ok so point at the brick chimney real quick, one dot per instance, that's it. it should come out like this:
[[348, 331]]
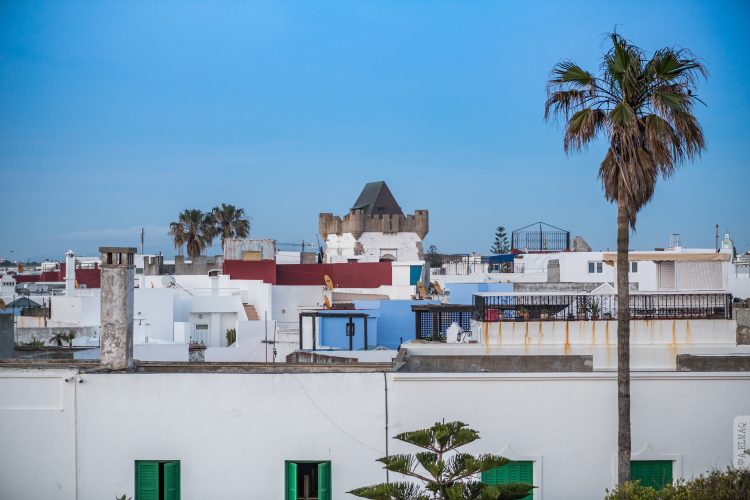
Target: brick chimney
[[118, 273]]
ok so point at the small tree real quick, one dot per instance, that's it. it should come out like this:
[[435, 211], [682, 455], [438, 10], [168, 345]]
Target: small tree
[[433, 256], [231, 336], [58, 339], [500, 245], [446, 473]]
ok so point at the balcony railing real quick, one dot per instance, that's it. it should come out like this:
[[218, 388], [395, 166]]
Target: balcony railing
[[582, 307]]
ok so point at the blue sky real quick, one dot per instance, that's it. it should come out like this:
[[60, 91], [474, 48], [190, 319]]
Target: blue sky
[[118, 115]]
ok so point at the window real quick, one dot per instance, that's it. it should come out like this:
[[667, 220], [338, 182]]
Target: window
[[595, 268], [514, 472], [654, 473], [308, 480], [666, 275], [157, 480], [633, 267]]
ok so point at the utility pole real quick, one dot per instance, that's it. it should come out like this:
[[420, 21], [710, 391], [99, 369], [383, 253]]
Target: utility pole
[[143, 234]]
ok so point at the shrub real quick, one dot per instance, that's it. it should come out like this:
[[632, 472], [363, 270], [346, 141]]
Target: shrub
[[729, 484], [633, 490], [231, 336]]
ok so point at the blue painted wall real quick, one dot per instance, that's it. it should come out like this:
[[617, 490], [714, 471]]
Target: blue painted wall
[[396, 320], [391, 322], [332, 332]]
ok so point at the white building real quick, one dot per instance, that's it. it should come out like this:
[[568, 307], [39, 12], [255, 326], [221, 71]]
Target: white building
[[375, 229]]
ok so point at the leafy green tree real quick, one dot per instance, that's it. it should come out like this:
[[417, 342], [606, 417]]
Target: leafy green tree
[[445, 473], [644, 109], [195, 230], [500, 245], [230, 222]]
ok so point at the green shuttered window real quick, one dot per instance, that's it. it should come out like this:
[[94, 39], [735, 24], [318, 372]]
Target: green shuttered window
[[146, 480], [514, 472], [315, 475], [157, 480], [654, 473]]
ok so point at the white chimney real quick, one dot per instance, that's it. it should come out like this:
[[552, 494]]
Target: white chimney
[[70, 273]]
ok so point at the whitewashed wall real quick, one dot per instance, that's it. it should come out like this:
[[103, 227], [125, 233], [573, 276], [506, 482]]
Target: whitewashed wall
[[233, 432], [83, 309], [156, 306], [403, 246], [288, 301]]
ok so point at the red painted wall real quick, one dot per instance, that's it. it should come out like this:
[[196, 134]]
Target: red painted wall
[[251, 270], [349, 275], [90, 278], [364, 275]]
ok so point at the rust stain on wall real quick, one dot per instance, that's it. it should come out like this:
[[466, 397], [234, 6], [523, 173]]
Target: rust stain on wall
[[539, 340], [593, 332], [606, 333]]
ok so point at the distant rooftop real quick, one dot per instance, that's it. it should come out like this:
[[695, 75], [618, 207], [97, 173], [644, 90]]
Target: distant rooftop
[[376, 199]]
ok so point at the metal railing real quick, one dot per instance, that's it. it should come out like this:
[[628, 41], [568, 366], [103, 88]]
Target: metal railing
[[540, 237], [579, 307]]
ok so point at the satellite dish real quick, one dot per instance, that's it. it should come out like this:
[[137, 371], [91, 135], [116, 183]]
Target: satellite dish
[[326, 301], [329, 282], [168, 281]]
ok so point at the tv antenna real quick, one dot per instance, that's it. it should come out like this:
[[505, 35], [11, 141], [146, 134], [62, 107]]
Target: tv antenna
[[169, 281]]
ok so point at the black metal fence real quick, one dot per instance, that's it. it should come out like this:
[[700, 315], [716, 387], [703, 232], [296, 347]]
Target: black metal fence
[[540, 241], [520, 307]]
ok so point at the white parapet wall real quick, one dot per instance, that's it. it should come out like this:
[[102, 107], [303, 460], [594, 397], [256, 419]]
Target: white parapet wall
[[655, 344], [233, 432]]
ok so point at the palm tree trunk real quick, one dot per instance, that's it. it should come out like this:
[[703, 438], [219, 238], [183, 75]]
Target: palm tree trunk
[[623, 345]]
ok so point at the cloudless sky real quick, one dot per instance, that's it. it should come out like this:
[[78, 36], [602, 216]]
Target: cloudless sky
[[118, 115]]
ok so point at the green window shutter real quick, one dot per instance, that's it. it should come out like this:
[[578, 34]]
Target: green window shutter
[[513, 472], [489, 476], [172, 481], [324, 481], [146, 480], [654, 473], [291, 481]]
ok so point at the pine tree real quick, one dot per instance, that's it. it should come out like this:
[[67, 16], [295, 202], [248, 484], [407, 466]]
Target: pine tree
[[500, 245], [433, 256], [446, 473]]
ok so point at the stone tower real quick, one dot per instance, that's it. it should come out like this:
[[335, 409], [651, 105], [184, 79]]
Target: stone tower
[[374, 229], [118, 273]]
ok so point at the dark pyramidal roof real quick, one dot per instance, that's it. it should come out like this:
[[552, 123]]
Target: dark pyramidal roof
[[376, 199]]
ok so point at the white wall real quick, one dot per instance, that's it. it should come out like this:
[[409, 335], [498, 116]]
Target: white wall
[[654, 343], [288, 301], [160, 352], [156, 308], [340, 248], [233, 432], [37, 435], [83, 309], [249, 346]]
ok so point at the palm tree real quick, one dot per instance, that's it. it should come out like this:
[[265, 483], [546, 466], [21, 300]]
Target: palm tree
[[644, 108], [195, 230], [230, 222]]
